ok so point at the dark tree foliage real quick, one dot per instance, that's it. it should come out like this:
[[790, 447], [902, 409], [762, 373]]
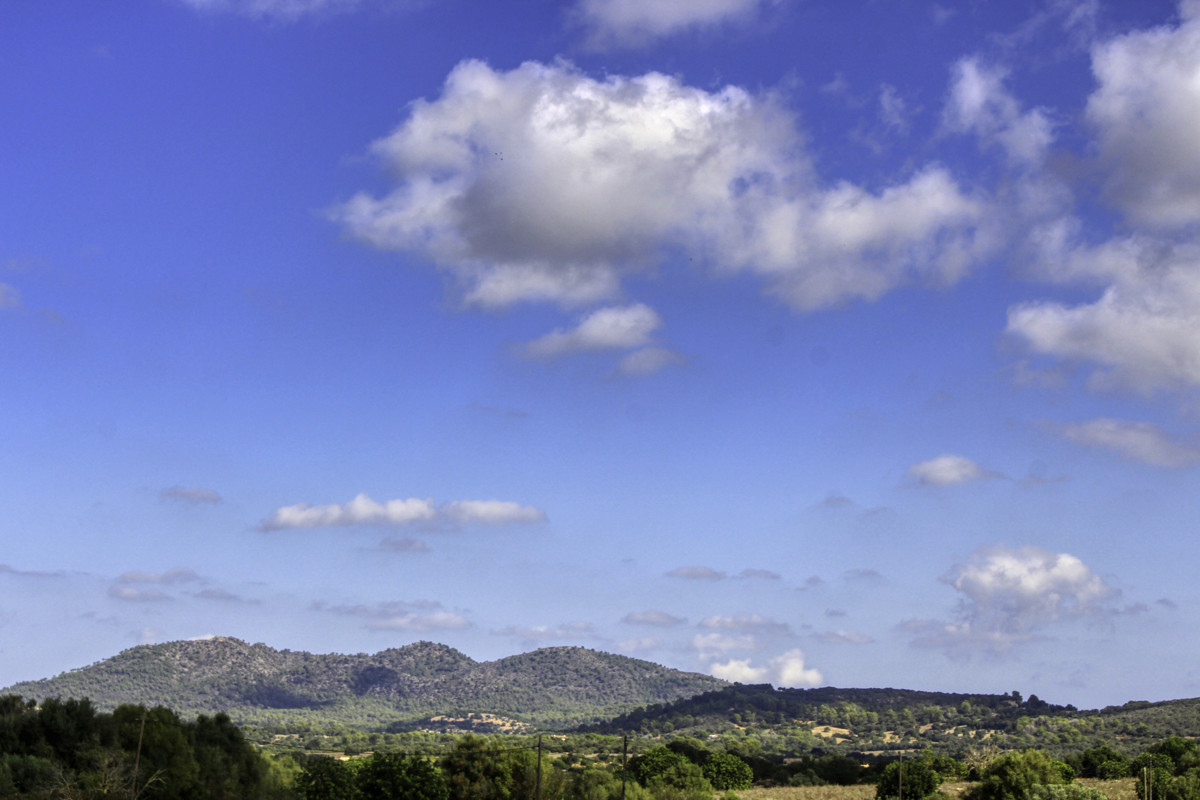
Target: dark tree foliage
[[653, 763], [391, 776], [148, 752], [726, 771], [326, 778], [913, 779]]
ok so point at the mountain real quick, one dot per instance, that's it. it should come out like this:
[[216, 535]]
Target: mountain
[[254, 683]]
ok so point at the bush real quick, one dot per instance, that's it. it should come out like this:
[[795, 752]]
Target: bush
[[911, 779], [1013, 776], [727, 771]]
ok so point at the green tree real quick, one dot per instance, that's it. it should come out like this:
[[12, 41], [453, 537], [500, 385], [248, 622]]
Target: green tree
[[913, 779], [1012, 776], [682, 780], [726, 771], [391, 776], [654, 762], [325, 778]]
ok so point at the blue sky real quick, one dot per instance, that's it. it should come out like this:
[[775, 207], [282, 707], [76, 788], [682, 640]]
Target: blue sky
[[852, 344]]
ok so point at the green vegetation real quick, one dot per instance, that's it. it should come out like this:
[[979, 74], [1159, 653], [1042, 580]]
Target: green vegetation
[[404, 688], [66, 749]]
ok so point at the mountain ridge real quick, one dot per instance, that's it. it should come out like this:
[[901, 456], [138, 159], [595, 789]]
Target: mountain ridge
[[256, 683]]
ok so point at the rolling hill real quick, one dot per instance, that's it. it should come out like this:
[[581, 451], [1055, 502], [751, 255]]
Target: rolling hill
[[254, 683]]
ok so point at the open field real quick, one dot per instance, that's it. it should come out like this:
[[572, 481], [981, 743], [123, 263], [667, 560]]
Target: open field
[[1113, 790]]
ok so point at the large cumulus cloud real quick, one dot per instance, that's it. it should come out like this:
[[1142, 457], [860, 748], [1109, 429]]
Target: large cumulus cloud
[[544, 184]]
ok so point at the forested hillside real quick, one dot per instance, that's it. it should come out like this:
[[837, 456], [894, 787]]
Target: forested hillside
[[875, 720], [254, 683]]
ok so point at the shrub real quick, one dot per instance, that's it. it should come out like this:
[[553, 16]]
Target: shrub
[[1013, 776]]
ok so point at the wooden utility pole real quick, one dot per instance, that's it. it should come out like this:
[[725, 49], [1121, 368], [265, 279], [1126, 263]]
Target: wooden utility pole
[[538, 790], [624, 753], [137, 758]]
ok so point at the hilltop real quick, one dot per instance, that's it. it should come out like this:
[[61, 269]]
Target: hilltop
[[257, 684]]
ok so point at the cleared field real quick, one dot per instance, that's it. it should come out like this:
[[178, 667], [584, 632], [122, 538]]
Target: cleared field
[[1113, 790]]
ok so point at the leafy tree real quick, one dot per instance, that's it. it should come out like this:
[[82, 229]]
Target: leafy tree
[[654, 762], [726, 771], [913, 779], [681, 780], [325, 778], [1012, 776], [390, 776]]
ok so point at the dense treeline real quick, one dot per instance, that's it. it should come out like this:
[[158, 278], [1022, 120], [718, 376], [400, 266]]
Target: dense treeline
[[67, 749], [896, 720]]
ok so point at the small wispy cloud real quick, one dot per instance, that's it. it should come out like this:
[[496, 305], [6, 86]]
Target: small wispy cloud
[[751, 573], [192, 495], [418, 616], [7, 569], [534, 634], [745, 622], [654, 617], [697, 573], [362, 510], [948, 470], [173, 575], [9, 296], [634, 24], [288, 10], [844, 637], [403, 545], [132, 594], [1136, 441]]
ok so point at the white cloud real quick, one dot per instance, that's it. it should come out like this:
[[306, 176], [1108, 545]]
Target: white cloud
[[421, 616], [570, 631], [893, 110], [615, 328], [844, 637], [738, 670], [1146, 111], [286, 10], [660, 619], [697, 573], [639, 645], [134, 595], [637, 22], [946, 470], [491, 512], [980, 104], [1140, 441], [190, 495], [416, 621], [543, 184], [790, 670], [787, 670], [362, 510], [1010, 595], [750, 622], [713, 645], [1144, 330]]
